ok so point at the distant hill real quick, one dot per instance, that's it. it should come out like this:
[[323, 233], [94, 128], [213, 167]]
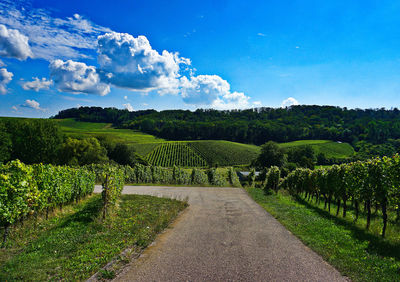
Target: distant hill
[[198, 153], [76, 129], [337, 150], [254, 126], [166, 153], [192, 153]]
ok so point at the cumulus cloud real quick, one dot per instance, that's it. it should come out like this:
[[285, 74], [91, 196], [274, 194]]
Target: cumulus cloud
[[257, 103], [128, 106], [14, 108], [13, 44], [76, 77], [51, 37], [5, 78], [130, 62], [32, 104], [125, 97], [211, 91], [37, 84], [289, 102]]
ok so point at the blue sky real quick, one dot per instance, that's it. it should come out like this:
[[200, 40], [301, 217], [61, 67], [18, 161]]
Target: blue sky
[[220, 54]]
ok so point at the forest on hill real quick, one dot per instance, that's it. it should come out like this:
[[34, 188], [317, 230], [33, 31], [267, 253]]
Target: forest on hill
[[370, 131]]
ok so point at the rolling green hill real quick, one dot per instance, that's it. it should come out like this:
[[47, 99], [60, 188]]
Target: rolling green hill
[[211, 152], [225, 153], [168, 154], [191, 153], [331, 149], [157, 150], [76, 129]]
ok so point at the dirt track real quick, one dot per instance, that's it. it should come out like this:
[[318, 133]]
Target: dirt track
[[224, 235]]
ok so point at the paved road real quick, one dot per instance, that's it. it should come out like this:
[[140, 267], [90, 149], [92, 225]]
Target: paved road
[[224, 236]]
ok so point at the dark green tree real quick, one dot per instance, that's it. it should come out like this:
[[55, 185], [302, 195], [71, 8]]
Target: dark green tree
[[82, 152], [271, 155], [5, 144], [34, 140], [126, 155]]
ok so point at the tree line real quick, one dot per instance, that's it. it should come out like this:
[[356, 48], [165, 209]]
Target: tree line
[[365, 129], [41, 141]]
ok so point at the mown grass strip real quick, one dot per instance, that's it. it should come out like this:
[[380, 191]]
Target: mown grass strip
[[356, 253], [74, 244]]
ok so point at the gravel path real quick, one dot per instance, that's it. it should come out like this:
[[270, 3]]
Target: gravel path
[[224, 235]]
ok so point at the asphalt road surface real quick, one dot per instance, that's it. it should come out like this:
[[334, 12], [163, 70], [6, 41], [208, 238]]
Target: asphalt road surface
[[224, 236]]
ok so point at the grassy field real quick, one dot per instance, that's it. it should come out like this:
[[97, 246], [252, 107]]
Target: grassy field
[[356, 253], [331, 149], [74, 244], [75, 128]]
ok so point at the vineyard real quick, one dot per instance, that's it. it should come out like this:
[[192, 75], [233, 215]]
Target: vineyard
[[175, 154], [225, 153], [373, 183]]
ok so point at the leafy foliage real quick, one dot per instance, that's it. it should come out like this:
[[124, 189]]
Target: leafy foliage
[[5, 144], [141, 174], [199, 177], [254, 126], [271, 155], [272, 178], [233, 178], [82, 152], [356, 253], [112, 180], [373, 181], [33, 140], [27, 190]]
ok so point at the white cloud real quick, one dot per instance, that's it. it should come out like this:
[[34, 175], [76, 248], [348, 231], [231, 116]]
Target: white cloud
[[5, 78], [257, 103], [14, 108], [13, 44], [32, 104], [2, 64], [76, 77], [289, 102], [130, 62], [212, 91], [51, 37], [235, 100], [261, 34], [126, 97], [128, 106], [37, 84]]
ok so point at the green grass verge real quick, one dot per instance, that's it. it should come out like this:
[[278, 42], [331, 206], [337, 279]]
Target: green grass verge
[[356, 253], [78, 129], [331, 149], [74, 244]]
